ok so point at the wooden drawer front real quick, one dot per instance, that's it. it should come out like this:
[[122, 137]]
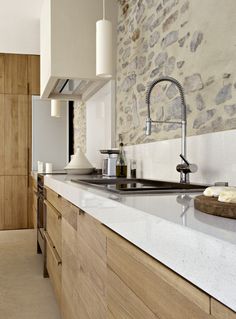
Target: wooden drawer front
[[54, 226], [122, 302], [72, 306], [69, 281], [91, 231], [219, 311], [67, 209], [54, 199], [92, 281], [69, 270], [54, 267], [165, 293]]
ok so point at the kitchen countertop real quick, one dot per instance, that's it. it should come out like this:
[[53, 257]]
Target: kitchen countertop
[[35, 174], [199, 247]]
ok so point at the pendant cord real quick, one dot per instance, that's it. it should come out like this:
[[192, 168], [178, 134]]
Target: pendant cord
[[104, 10]]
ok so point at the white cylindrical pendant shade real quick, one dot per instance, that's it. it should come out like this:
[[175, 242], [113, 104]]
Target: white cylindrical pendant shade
[[104, 59], [55, 108]]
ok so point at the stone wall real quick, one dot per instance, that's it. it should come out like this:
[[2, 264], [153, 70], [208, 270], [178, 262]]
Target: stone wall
[[80, 126], [192, 41]]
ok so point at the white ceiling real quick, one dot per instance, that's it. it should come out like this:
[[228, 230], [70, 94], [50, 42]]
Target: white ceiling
[[19, 26]]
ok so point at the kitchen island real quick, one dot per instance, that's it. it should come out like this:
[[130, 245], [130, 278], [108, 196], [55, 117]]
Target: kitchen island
[[198, 247]]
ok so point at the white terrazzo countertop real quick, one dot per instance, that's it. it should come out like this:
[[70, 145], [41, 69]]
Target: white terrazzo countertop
[[199, 247]]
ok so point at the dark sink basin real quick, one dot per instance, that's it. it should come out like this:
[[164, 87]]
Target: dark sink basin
[[138, 185]]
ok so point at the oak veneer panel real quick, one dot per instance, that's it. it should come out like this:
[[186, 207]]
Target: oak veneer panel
[[34, 74], [2, 134], [92, 280], [69, 282], [15, 202], [110, 315], [165, 293], [81, 309], [53, 263], [2, 207], [16, 135], [67, 209], [220, 311], [31, 217], [123, 303], [69, 270], [54, 226], [91, 231], [1, 73], [15, 73]]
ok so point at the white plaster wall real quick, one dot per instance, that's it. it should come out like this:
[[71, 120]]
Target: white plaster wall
[[214, 153], [19, 26]]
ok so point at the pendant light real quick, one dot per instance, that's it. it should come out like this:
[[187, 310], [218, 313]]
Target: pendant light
[[55, 108], [104, 64]]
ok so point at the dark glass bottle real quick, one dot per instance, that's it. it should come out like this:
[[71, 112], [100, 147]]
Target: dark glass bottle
[[121, 164]]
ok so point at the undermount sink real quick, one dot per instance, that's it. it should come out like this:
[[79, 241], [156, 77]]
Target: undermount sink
[[138, 185]]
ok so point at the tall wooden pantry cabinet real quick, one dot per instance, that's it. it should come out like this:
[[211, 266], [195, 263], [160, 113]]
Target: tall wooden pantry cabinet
[[19, 80]]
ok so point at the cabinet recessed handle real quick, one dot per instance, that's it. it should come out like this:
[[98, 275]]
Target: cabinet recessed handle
[[48, 204], [81, 212], [58, 196]]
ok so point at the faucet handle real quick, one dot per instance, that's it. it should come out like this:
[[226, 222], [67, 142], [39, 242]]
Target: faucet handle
[[186, 167], [184, 159]]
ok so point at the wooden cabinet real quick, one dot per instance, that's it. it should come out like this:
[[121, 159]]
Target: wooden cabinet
[[15, 74], [19, 79], [123, 302], [165, 293], [15, 202], [2, 135], [34, 74], [54, 265], [84, 269], [70, 300], [91, 257], [53, 237], [1, 73], [54, 226], [103, 276], [219, 311], [2, 203], [16, 135]]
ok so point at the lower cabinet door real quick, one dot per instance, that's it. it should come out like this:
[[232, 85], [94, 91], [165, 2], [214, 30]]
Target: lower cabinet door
[[15, 196], [54, 267], [53, 225], [69, 300], [122, 302], [166, 294], [219, 311]]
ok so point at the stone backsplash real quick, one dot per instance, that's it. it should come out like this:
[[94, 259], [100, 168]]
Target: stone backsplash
[[191, 40]]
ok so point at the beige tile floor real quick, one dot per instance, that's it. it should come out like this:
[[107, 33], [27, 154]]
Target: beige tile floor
[[24, 293]]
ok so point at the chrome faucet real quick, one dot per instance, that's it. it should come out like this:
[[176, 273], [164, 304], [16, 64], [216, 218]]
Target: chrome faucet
[[185, 167]]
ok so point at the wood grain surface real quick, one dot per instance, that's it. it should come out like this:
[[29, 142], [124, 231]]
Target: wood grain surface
[[211, 205]]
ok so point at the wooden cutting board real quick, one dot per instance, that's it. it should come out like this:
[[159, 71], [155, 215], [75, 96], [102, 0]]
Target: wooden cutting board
[[212, 206]]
